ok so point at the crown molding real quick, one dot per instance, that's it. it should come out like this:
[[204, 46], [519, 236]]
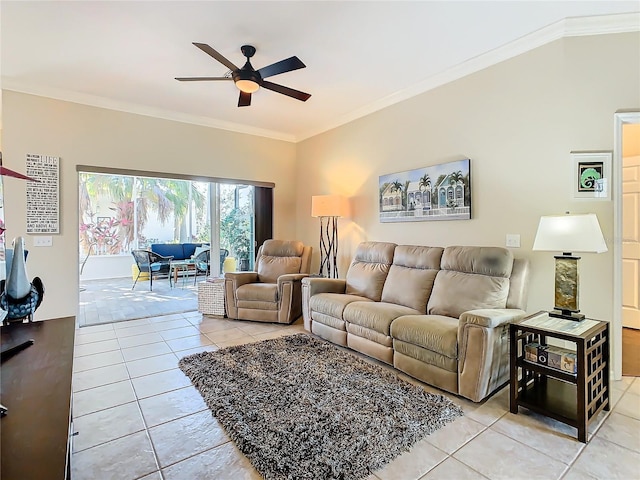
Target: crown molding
[[568, 27], [110, 104]]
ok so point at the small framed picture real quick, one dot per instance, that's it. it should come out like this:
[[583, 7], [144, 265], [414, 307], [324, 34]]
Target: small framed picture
[[591, 175]]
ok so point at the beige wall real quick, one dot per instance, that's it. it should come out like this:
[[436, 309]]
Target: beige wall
[[86, 135], [517, 121]]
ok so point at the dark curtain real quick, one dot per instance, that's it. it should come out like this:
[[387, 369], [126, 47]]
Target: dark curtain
[[263, 215]]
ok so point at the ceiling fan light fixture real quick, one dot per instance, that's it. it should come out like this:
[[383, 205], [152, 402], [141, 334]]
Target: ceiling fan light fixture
[[247, 86]]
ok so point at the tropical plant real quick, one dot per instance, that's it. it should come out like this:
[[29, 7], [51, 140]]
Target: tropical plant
[[134, 199]]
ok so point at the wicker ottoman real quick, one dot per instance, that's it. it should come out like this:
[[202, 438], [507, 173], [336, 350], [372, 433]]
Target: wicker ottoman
[[211, 297]]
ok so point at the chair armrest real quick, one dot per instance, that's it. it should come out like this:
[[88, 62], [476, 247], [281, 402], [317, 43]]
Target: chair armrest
[[157, 258], [483, 350], [291, 277], [241, 278]]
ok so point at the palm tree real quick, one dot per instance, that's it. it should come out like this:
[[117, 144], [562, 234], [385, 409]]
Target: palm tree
[[396, 186], [134, 198], [455, 177], [425, 182]]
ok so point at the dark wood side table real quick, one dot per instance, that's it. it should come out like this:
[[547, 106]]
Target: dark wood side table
[[571, 398], [36, 389]]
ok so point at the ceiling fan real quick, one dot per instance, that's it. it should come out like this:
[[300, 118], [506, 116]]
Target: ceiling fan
[[247, 79]]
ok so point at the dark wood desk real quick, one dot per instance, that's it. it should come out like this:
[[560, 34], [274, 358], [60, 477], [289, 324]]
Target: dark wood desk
[[36, 389]]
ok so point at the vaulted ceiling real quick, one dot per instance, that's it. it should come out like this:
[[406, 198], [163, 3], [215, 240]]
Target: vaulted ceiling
[[360, 56]]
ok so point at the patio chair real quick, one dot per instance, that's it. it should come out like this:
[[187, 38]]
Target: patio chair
[[202, 260], [152, 264]]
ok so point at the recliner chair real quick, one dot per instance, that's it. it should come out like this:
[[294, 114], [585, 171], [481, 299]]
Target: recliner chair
[[272, 293]]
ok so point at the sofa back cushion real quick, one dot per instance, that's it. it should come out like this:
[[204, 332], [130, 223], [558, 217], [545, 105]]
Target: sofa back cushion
[[411, 276], [278, 257], [471, 278], [369, 269]]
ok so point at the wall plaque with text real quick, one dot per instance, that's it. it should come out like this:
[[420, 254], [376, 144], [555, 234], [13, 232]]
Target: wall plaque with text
[[43, 197]]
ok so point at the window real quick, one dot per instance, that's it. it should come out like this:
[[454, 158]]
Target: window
[[119, 213]]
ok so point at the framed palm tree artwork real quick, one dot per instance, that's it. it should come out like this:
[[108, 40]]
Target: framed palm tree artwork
[[591, 175], [437, 192]]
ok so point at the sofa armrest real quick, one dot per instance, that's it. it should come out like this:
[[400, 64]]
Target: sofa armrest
[[483, 350], [312, 286], [324, 285], [492, 317]]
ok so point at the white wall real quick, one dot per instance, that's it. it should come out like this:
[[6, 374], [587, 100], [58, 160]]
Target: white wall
[[84, 135], [517, 121]]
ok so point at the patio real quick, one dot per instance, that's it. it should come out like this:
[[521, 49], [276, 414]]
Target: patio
[[112, 300]]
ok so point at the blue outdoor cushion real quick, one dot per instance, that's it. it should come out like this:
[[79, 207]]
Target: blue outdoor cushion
[[174, 250]]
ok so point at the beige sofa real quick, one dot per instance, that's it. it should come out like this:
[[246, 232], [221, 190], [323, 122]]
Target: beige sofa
[[273, 292], [440, 315]]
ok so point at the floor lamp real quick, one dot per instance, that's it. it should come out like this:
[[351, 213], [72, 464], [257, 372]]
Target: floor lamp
[[567, 234], [328, 208]]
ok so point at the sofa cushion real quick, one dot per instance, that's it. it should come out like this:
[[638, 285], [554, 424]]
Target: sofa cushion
[[492, 261], [330, 321], [471, 278], [369, 334], [259, 292], [432, 332], [376, 316], [369, 269], [279, 257], [426, 356], [411, 276], [333, 304]]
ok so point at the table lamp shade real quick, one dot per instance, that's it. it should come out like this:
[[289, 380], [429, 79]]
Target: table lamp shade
[[570, 233], [328, 206]]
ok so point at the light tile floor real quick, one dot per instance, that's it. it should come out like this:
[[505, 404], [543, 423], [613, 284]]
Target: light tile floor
[[138, 417]]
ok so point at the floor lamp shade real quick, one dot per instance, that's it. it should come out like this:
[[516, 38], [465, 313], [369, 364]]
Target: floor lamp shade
[[328, 208], [568, 234]]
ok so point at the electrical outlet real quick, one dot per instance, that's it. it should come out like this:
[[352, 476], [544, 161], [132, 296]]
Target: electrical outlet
[[513, 240], [43, 241]]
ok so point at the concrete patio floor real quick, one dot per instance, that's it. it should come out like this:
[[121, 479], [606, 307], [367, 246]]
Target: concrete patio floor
[[112, 300]]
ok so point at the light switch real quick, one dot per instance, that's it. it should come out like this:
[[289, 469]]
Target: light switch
[[513, 240], [43, 241]]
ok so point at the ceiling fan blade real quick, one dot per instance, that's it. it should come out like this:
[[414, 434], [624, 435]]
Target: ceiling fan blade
[[210, 51], [297, 94], [244, 100], [201, 79], [287, 65]]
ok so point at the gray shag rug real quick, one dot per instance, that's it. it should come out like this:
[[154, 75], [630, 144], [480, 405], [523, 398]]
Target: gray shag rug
[[302, 408]]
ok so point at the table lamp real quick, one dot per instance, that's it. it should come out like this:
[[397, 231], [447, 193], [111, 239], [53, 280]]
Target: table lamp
[[567, 234], [328, 208]]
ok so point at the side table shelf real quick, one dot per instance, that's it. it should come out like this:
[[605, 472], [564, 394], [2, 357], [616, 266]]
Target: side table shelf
[[572, 398]]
